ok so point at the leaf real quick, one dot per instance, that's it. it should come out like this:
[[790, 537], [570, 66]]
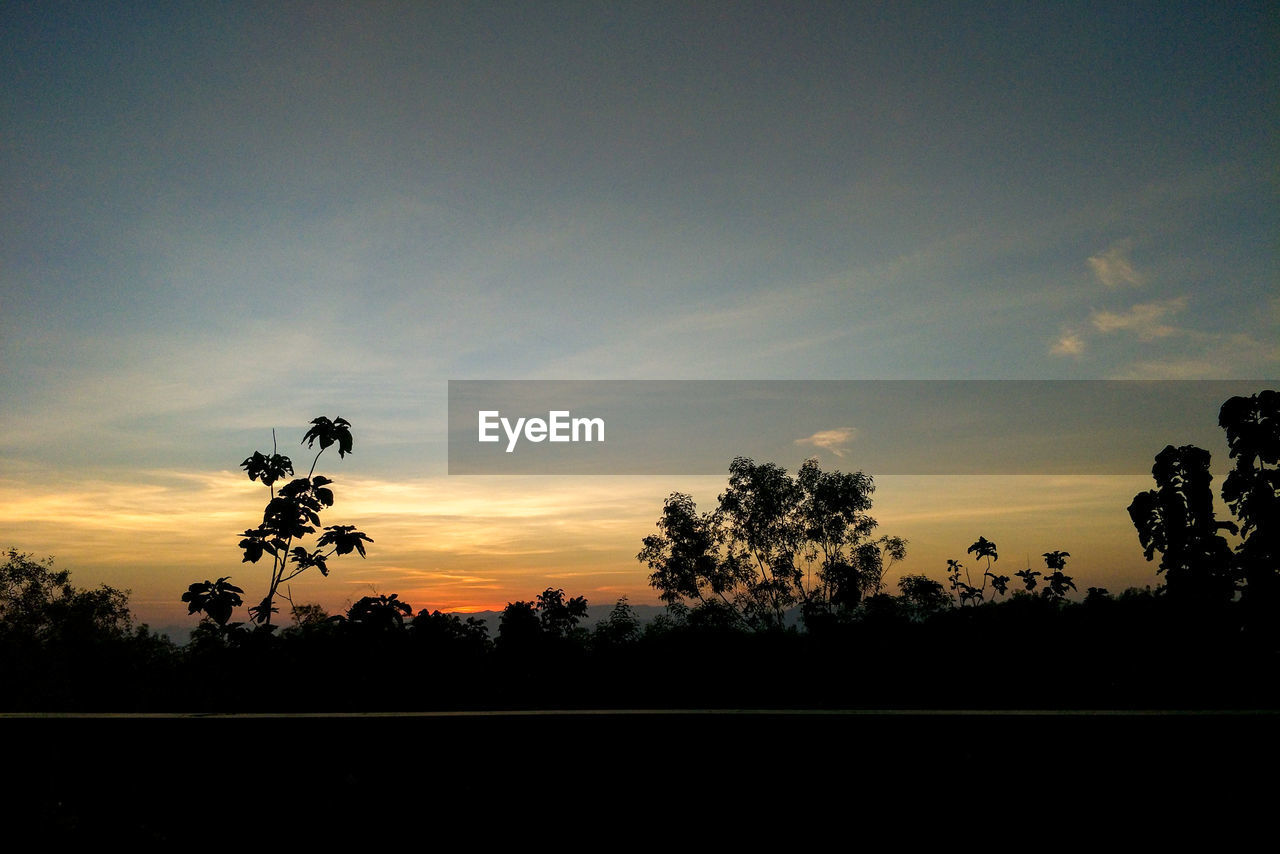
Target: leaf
[[304, 560], [215, 598], [253, 548], [262, 610], [327, 432], [323, 495], [267, 469], [294, 488], [983, 548], [344, 538]]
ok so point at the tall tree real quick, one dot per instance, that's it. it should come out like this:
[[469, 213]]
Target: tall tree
[[291, 514], [773, 543], [1252, 491], [1177, 520]]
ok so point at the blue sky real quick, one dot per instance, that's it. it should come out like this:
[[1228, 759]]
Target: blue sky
[[224, 219]]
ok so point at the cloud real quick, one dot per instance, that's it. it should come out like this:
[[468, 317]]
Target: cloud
[[1068, 344], [1192, 354], [833, 440], [1144, 319], [1113, 267], [1220, 357]]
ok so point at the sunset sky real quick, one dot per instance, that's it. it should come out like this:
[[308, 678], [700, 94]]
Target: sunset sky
[[220, 219]]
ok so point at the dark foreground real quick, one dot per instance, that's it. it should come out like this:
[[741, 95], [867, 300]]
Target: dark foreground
[[375, 780]]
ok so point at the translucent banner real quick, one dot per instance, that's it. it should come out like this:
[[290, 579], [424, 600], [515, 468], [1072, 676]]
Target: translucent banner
[[677, 427]]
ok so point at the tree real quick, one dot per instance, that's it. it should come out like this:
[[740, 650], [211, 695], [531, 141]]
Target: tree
[[548, 622], [968, 593], [1252, 492], [309, 614], [64, 648], [519, 626], [1057, 582], [39, 603], [963, 589], [1096, 596], [621, 628], [773, 543], [922, 597], [451, 631], [1177, 520], [559, 617], [379, 613], [291, 514], [684, 555]]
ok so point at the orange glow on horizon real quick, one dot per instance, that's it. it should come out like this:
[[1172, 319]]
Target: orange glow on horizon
[[465, 545]]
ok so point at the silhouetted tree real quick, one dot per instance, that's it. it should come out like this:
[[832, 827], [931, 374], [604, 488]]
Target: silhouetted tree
[[673, 618], [965, 590], [559, 617], [922, 597], [379, 613], [621, 628], [714, 617], [519, 626], [309, 614], [469, 636], [1096, 595], [1177, 520], [1252, 492], [684, 555], [64, 648], [773, 543], [39, 603], [291, 514], [1057, 582]]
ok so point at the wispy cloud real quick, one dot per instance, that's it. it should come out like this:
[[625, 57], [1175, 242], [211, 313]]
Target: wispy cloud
[[1113, 267], [1146, 320], [1070, 343], [1220, 356], [834, 440]]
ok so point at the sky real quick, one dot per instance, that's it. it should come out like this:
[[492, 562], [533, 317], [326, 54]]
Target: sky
[[221, 220]]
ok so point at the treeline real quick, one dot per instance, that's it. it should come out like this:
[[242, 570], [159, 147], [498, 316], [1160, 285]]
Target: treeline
[[777, 597], [65, 649]]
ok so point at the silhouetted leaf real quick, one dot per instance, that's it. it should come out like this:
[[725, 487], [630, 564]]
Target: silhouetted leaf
[[344, 538], [267, 469], [262, 610], [983, 548], [327, 432], [215, 598]]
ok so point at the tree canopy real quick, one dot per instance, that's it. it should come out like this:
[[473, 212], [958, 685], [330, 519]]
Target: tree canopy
[[773, 543], [1177, 520]]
